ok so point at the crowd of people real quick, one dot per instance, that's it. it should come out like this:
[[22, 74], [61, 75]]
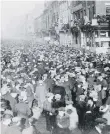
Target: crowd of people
[[70, 88]]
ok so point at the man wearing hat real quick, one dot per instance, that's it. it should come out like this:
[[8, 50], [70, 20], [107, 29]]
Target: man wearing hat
[[100, 123]]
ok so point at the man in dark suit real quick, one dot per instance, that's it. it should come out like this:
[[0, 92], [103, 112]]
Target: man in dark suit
[[100, 123]]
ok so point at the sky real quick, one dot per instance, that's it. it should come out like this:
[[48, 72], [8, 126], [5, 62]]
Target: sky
[[13, 14]]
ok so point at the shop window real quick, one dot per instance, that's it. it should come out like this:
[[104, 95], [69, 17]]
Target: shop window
[[96, 33]]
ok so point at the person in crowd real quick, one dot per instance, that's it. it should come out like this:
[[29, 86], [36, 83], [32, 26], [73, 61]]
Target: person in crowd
[[100, 123], [22, 109], [39, 77], [72, 112], [49, 112], [37, 111], [62, 125], [7, 96]]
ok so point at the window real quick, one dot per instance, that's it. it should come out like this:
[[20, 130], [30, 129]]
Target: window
[[93, 11], [78, 14], [76, 38], [84, 12], [75, 15], [89, 16], [81, 14], [97, 44]]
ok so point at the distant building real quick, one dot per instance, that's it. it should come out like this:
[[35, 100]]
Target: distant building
[[38, 26], [29, 25]]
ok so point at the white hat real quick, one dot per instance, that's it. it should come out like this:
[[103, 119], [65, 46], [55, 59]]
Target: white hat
[[61, 113], [106, 68], [21, 97], [94, 95], [57, 96], [69, 107], [16, 119], [82, 97], [104, 109], [72, 74], [13, 95], [104, 88]]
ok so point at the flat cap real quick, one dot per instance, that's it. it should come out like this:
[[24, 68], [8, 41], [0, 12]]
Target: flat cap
[[101, 120]]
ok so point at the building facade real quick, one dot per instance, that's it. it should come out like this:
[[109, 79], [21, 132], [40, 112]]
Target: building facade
[[64, 22], [76, 23], [38, 26], [86, 29]]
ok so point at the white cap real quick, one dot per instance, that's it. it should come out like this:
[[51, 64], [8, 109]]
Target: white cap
[[13, 95], [57, 96], [16, 119]]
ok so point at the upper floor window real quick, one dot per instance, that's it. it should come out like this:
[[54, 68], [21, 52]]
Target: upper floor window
[[93, 11], [89, 15], [81, 14], [84, 12], [78, 15]]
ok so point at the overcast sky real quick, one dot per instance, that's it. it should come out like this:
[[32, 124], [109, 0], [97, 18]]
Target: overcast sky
[[13, 13]]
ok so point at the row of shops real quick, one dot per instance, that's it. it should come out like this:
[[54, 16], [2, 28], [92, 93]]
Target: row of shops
[[92, 35]]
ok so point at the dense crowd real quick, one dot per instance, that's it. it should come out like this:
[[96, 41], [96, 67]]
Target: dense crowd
[[69, 87]]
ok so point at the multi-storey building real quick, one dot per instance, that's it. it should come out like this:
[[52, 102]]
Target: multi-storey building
[[85, 29], [64, 22], [38, 25], [50, 15]]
